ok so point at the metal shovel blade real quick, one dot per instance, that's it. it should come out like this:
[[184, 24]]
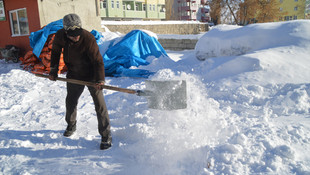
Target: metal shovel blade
[[167, 95]]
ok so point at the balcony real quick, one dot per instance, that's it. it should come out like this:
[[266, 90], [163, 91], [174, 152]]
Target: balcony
[[185, 18], [205, 19], [204, 1], [185, 8], [161, 15], [134, 14], [204, 10], [191, 1]]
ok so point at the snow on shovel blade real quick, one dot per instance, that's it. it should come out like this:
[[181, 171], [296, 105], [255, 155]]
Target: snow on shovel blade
[[166, 95]]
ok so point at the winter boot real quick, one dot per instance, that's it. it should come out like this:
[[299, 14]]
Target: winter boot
[[106, 143], [70, 130]]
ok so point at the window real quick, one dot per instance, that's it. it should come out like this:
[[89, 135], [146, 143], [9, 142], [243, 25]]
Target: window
[[139, 6], [2, 13], [19, 22], [295, 17], [295, 8], [117, 4], [103, 4], [112, 4], [154, 7], [129, 7], [144, 7], [161, 8]]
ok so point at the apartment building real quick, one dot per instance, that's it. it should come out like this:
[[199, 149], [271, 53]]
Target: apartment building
[[292, 9], [189, 10], [307, 10], [132, 9]]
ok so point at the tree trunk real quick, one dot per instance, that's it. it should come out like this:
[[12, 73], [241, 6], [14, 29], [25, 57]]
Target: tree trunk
[[236, 21]]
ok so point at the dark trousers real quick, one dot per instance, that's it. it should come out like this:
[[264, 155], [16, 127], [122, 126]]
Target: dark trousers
[[74, 92]]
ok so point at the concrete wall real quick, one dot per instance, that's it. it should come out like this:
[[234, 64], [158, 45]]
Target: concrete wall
[[162, 27], [181, 29], [52, 10], [178, 44]]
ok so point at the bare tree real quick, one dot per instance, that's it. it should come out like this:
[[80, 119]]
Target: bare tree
[[232, 5], [215, 11], [172, 10], [247, 11], [224, 11], [268, 10]]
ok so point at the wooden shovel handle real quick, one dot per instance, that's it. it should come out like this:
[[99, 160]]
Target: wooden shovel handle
[[86, 83]]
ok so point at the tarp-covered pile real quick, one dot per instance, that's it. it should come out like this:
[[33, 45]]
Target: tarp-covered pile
[[131, 50], [42, 63], [38, 60]]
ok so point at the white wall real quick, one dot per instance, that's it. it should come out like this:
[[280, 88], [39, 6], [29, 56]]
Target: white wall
[[52, 10]]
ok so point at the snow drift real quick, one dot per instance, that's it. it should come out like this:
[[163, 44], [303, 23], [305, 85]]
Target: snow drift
[[226, 40]]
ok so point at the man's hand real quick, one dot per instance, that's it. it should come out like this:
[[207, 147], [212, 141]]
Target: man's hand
[[52, 77], [99, 85]]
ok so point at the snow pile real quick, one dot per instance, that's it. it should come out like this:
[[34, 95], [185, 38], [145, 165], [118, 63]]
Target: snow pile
[[224, 40], [246, 114]]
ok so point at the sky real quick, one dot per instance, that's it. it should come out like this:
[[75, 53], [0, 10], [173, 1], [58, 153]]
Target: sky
[[248, 111]]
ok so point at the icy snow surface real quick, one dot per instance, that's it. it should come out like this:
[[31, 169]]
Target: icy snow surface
[[248, 112]]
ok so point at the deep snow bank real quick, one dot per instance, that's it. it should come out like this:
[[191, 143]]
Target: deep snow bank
[[226, 40], [259, 75]]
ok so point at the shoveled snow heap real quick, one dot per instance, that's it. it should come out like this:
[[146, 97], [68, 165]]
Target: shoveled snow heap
[[248, 112]]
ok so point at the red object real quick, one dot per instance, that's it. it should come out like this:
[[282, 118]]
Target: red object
[[21, 42]]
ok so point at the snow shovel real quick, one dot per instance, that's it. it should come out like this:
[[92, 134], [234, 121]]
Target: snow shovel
[[164, 95]]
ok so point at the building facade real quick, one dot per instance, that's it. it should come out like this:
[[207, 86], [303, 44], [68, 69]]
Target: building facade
[[19, 18], [188, 10], [307, 10], [52, 10], [132, 9], [292, 9]]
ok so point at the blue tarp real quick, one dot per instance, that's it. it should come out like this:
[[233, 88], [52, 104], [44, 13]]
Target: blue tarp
[[97, 36], [38, 38], [132, 50]]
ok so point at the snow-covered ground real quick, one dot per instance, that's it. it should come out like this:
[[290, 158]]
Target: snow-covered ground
[[248, 112]]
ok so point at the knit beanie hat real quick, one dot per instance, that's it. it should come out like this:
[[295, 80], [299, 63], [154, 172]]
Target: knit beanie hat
[[72, 24]]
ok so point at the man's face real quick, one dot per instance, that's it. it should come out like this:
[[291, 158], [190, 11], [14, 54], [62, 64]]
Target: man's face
[[74, 38]]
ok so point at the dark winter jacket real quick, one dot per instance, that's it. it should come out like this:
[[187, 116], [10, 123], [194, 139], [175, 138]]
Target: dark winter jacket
[[83, 59]]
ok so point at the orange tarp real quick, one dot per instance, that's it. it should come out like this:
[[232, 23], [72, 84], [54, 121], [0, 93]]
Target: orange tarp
[[31, 63]]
